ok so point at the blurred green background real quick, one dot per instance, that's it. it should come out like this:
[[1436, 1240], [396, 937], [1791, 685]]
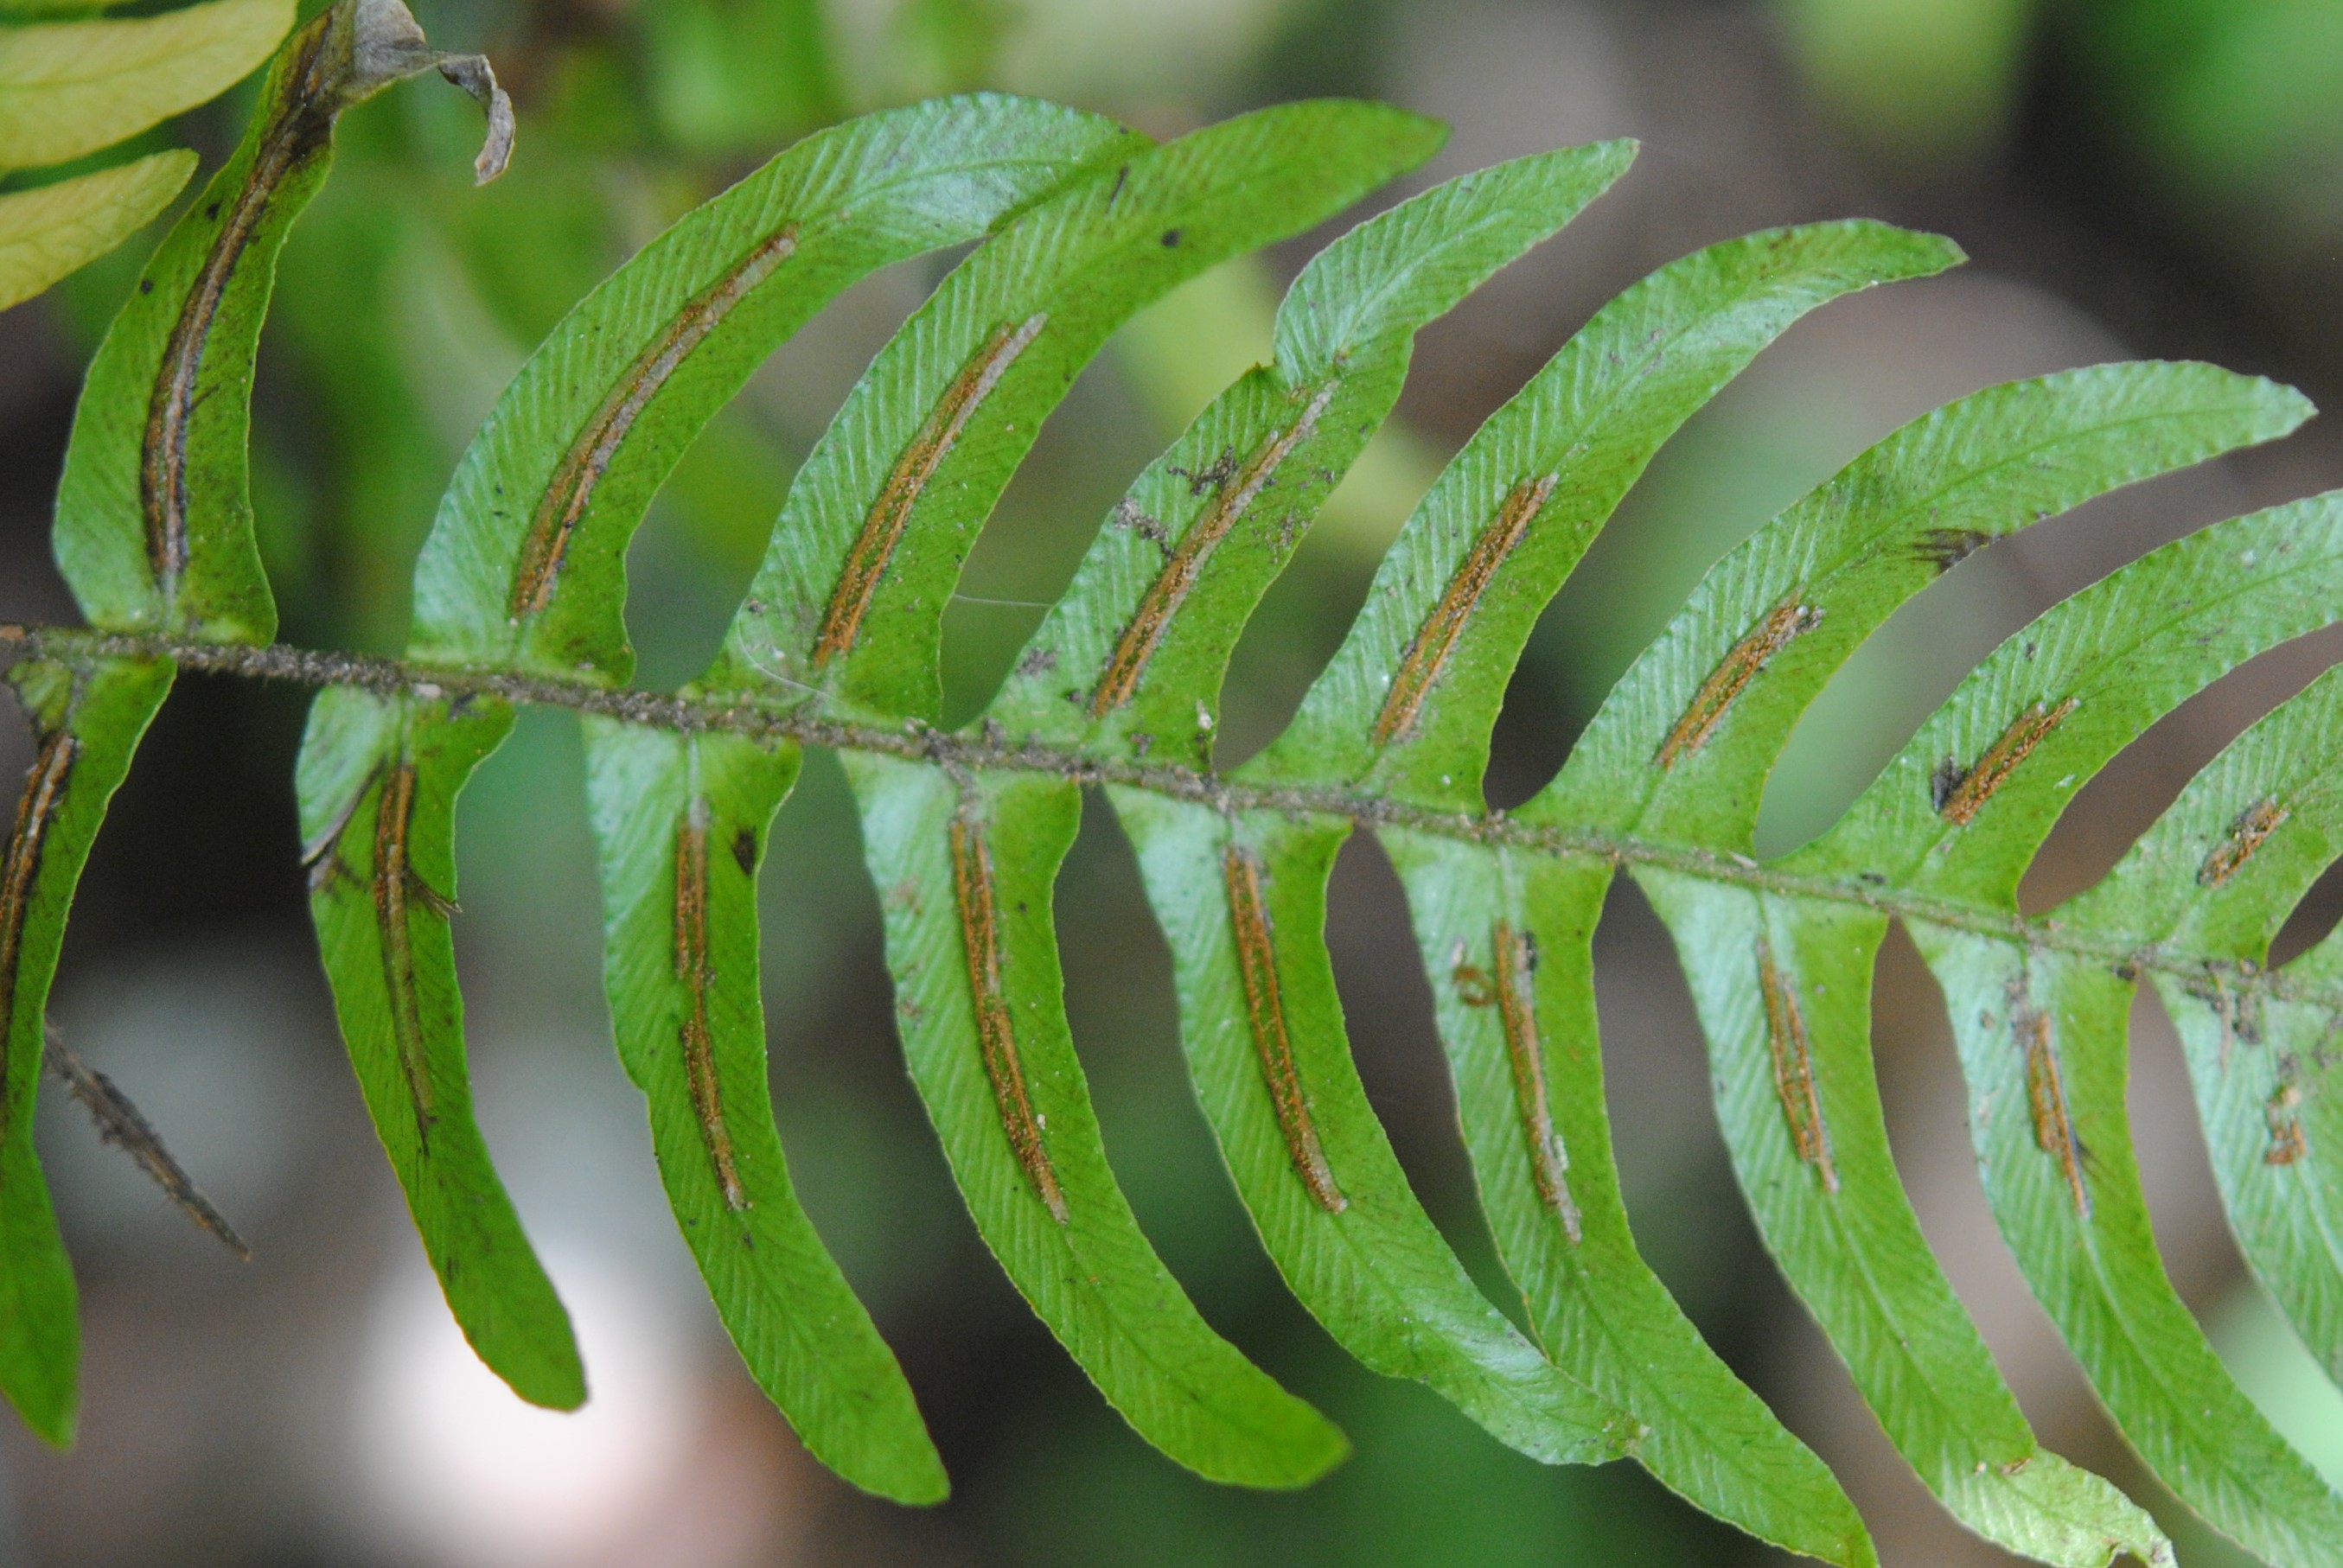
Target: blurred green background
[[2134, 178]]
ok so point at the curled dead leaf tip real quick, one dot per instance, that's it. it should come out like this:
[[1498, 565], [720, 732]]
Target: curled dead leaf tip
[[477, 76], [387, 46]]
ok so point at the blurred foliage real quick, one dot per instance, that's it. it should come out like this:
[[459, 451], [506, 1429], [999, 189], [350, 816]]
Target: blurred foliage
[[1920, 81], [2230, 105], [2234, 102]]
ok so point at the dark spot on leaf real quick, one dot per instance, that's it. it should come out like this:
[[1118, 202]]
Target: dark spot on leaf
[[744, 851], [1945, 783], [1945, 548], [145, 285], [1213, 475], [1171, 238]]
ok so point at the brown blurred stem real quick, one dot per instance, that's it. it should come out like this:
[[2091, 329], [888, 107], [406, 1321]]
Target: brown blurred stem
[[120, 1124]]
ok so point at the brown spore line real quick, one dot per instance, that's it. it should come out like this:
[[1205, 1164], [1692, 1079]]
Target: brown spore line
[[36, 810], [1792, 1050], [1944, 549], [1782, 625], [578, 477], [1516, 1000], [996, 1031], [1172, 584], [2287, 1146], [2255, 824], [1273, 1043], [395, 880], [2046, 1095], [891, 514], [1959, 795], [171, 406], [695, 969], [1435, 641]]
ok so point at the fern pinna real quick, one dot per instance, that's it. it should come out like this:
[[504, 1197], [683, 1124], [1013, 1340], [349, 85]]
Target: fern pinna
[[1081, 223]]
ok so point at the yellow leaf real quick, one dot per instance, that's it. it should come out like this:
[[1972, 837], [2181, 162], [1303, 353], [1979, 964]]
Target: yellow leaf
[[46, 233], [67, 88]]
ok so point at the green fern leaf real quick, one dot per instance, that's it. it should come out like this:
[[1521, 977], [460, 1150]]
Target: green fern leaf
[[377, 785], [692, 1031], [964, 869], [935, 430], [90, 716], [1130, 661], [1679, 753], [152, 531], [1783, 997], [524, 570], [680, 824], [1508, 939], [1430, 685], [1244, 905], [2045, 1048], [1561, 415], [1777, 615], [882, 515], [1163, 624], [1409, 699], [154, 527], [2217, 876]]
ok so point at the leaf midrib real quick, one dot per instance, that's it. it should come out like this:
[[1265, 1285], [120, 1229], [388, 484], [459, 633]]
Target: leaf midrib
[[916, 740]]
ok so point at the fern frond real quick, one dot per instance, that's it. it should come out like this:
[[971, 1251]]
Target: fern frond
[[1679, 754], [90, 717], [1143, 638], [849, 609], [2217, 875], [2043, 1038], [1077, 224], [524, 570], [154, 532]]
